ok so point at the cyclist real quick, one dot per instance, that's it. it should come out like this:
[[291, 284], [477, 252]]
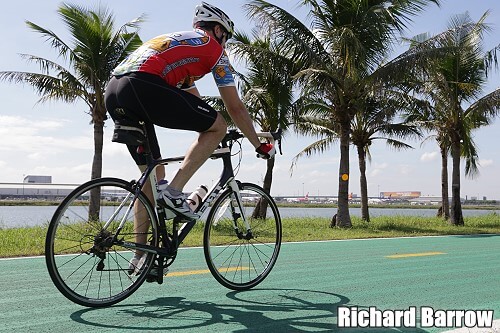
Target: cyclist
[[156, 85]]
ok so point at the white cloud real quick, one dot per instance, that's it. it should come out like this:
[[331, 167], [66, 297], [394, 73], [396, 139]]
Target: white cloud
[[485, 163], [377, 169], [405, 169], [114, 149], [35, 156], [427, 157], [39, 138], [7, 123]]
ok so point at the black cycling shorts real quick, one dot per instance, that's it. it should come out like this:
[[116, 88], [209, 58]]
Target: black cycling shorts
[[146, 97]]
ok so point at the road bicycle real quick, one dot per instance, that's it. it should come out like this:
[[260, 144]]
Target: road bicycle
[[92, 235]]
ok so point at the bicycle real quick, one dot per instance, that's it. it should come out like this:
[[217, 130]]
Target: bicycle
[[92, 237]]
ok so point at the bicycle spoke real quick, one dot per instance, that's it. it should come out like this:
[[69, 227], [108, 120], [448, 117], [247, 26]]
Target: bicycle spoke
[[83, 259], [240, 260]]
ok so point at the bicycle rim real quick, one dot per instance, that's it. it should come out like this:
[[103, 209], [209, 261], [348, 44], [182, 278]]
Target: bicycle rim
[[83, 265], [240, 261]]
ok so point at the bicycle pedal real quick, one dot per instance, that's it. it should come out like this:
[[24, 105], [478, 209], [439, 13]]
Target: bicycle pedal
[[155, 275], [154, 278]]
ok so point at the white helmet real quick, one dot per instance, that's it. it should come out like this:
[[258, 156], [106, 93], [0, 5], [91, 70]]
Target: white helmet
[[208, 13]]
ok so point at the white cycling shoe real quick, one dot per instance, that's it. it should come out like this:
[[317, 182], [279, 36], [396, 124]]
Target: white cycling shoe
[[177, 204], [135, 264]]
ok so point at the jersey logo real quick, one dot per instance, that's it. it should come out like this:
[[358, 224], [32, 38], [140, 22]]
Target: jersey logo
[[220, 71], [159, 44], [182, 62]]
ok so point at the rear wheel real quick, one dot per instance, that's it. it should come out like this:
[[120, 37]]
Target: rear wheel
[[84, 261], [239, 258]]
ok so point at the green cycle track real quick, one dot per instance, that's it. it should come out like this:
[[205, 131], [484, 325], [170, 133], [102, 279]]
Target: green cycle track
[[309, 284]]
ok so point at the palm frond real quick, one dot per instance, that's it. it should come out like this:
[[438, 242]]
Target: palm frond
[[488, 105], [317, 147], [54, 40], [491, 59], [49, 87], [314, 126], [469, 153], [399, 145], [292, 34], [402, 11]]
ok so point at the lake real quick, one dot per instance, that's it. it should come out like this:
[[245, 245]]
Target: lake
[[20, 216]]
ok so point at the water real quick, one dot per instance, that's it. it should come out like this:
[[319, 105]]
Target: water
[[21, 216]]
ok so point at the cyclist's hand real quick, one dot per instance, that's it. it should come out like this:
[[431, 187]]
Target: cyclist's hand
[[265, 151]]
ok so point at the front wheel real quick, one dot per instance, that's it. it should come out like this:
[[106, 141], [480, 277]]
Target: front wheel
[[241, 258], [86, 263]]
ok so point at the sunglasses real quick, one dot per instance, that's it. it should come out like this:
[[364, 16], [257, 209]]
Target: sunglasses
[[227, 34]]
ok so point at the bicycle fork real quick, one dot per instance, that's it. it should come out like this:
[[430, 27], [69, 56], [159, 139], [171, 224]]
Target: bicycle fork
[[236, 195]]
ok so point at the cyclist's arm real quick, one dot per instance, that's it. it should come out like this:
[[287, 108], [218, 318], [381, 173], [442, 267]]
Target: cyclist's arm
[[239, 113]]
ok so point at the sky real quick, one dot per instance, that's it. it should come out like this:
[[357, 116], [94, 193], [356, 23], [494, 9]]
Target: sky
[[56, 138]]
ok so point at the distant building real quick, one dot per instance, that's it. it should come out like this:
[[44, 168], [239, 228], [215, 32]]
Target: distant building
[[426, 200], [400, 195], [32, 192], [38, 179]]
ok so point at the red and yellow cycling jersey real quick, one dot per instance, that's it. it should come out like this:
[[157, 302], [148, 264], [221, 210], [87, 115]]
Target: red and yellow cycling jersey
[[180, 58]]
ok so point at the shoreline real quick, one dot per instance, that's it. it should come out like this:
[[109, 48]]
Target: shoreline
[[397, 205]]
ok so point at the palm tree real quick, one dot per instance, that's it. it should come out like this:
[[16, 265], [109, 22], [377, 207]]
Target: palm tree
[[452, 82], [349, 39], [95, 51], [376, 121]]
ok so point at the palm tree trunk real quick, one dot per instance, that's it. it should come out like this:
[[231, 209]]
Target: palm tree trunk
[[260, 210], [445, 201], [456, 205], [343, 217], [98, 144], [363, 184], [96, 172]]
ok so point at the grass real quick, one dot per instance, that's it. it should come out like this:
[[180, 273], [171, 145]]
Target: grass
[[15, 242], [18, 242], [384, 226]]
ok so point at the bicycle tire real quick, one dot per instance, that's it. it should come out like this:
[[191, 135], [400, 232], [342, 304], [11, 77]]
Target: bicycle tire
[[235, 262], [82, 268]]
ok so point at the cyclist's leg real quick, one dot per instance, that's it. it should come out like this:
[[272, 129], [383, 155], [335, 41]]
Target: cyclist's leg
[[199, 152], [140, 213], [141, 222]]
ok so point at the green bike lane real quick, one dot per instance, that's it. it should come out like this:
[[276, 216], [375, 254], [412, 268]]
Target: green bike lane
[[308, 285]]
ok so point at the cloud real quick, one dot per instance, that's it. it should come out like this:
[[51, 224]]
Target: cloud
[[112, 149], [7, 123], [35, 156], [428, 157], [39, 138], [377, 169], [405, 169], [486, 163]]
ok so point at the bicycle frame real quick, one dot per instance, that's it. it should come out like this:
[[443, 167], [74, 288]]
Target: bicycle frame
[[226, 180]]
